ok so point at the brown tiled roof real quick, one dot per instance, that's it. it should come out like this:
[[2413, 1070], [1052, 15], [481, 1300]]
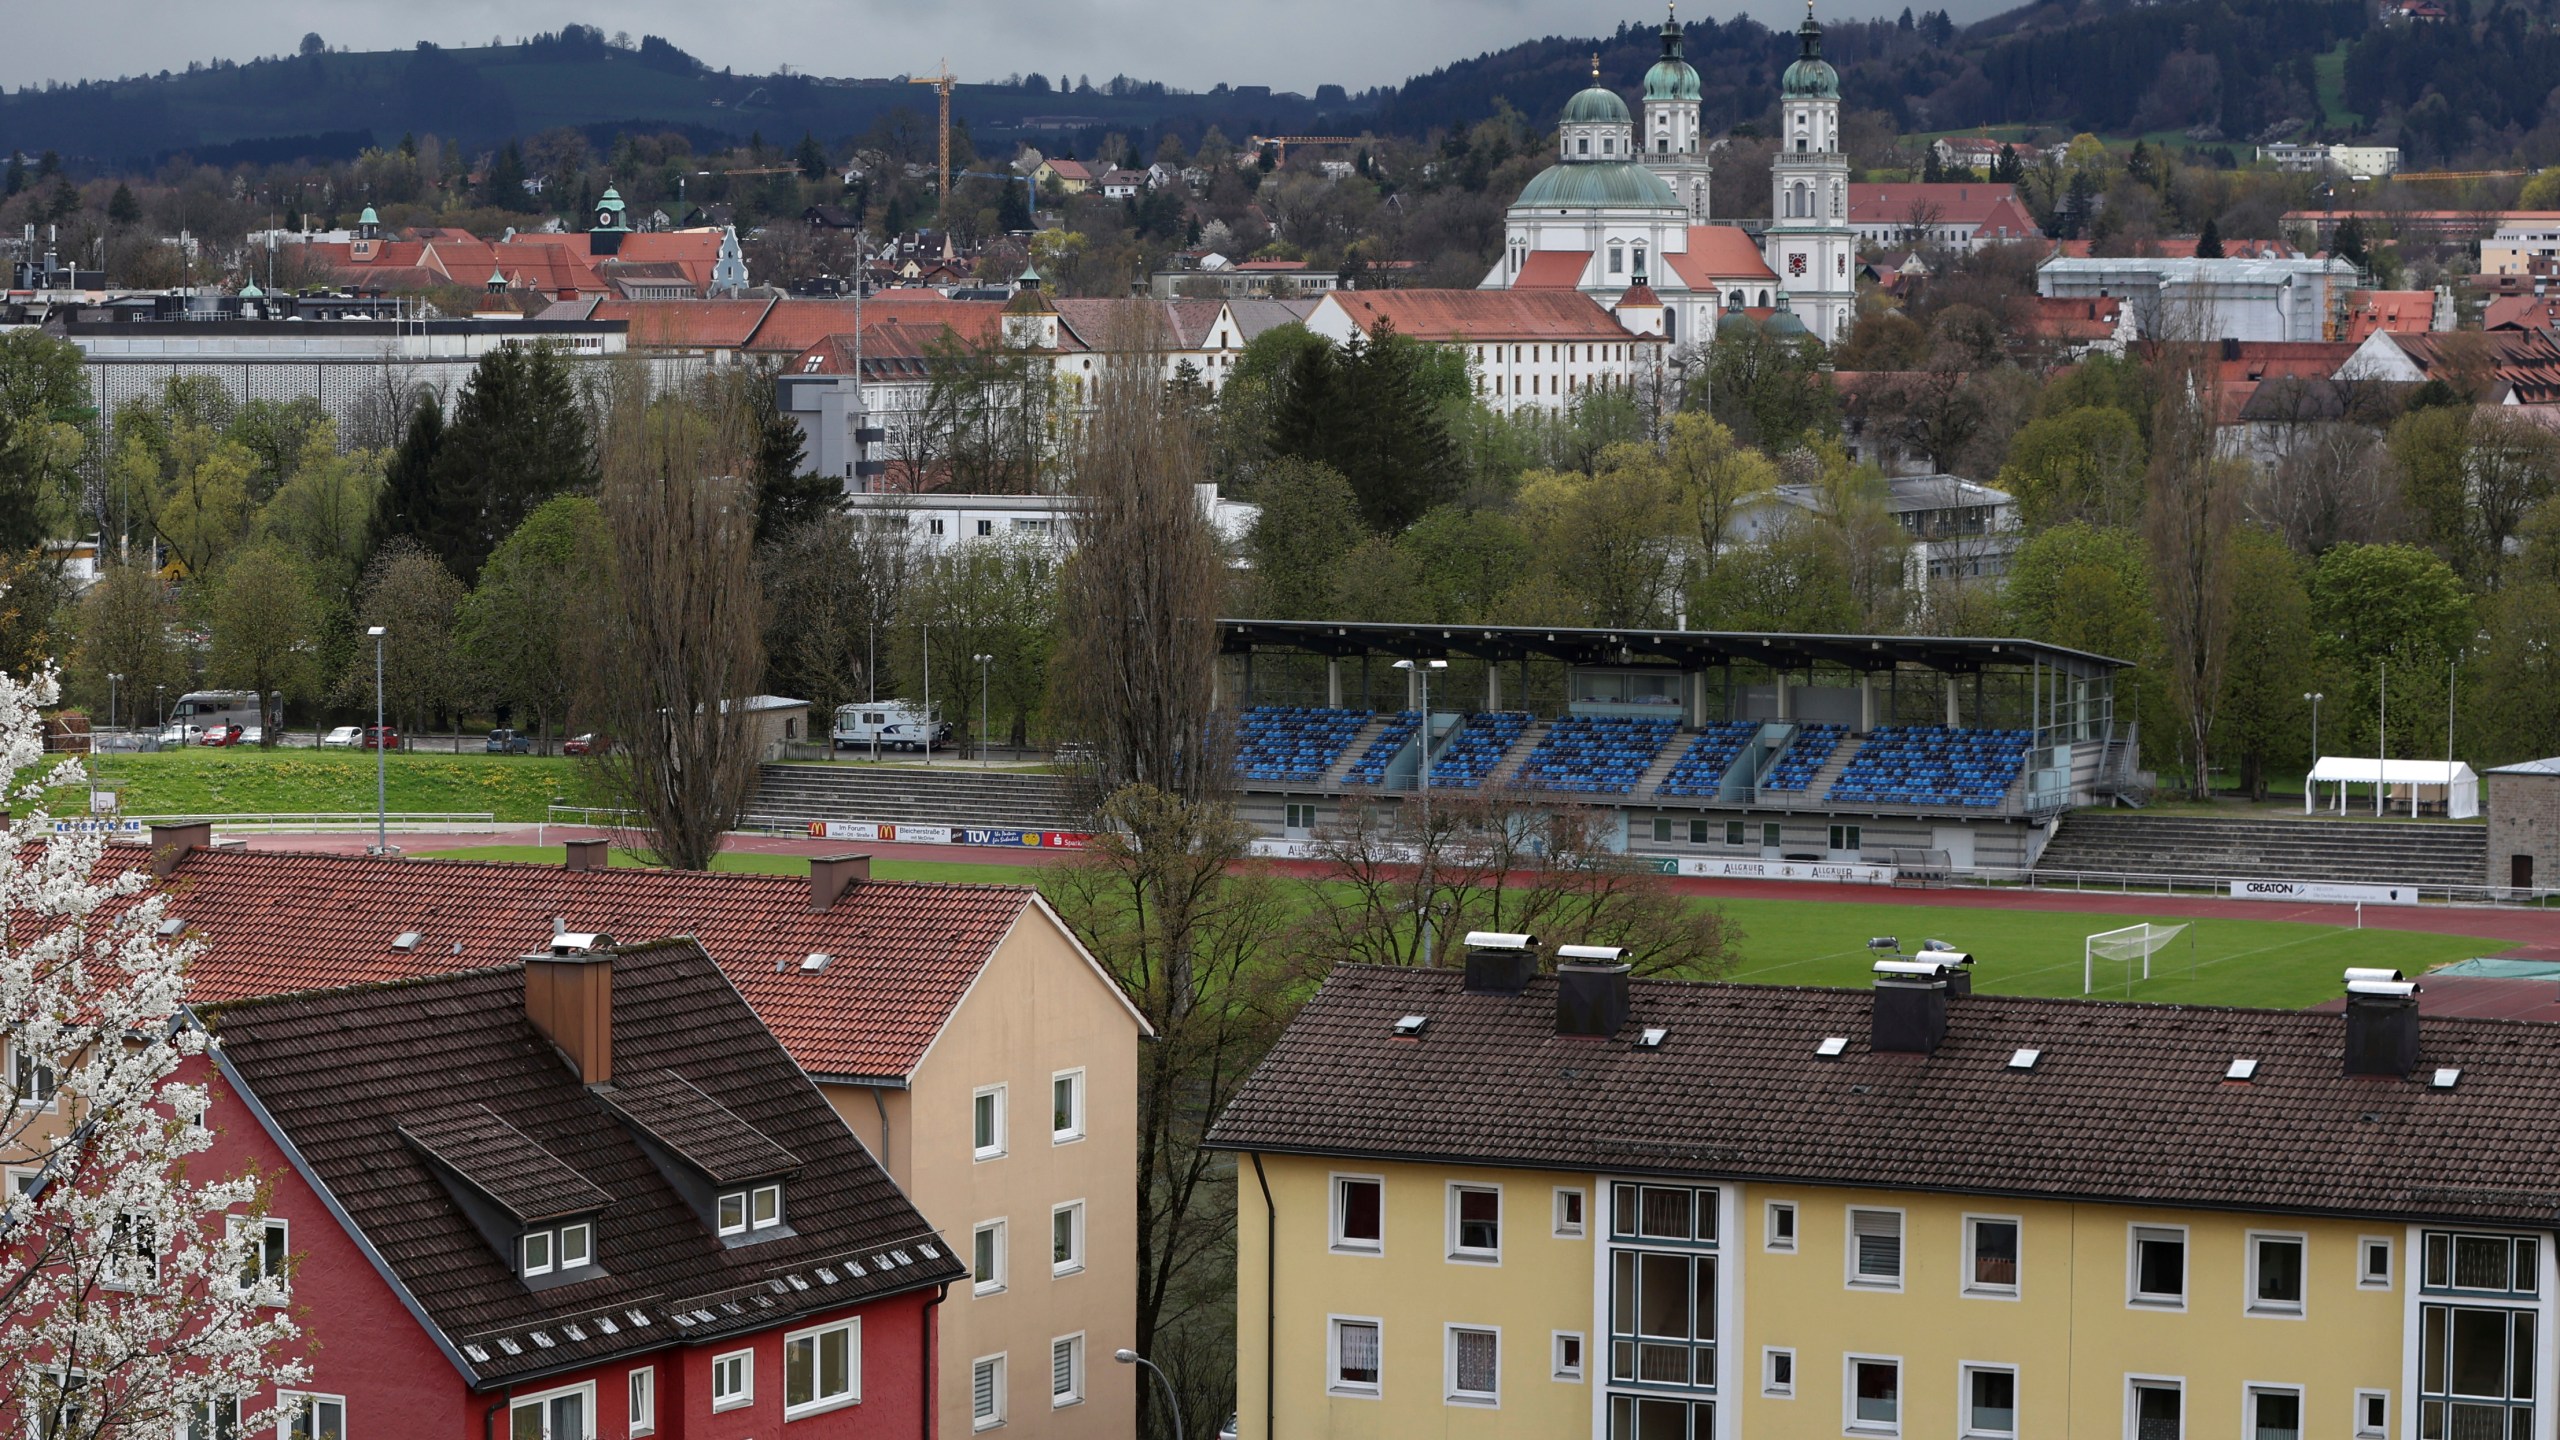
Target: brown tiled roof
[[2126, 1102], [697, 1129], [1974, 204], [340, 1072], [503, 1163], [1719, 252], [1552, 270], [902, 953], [1451, 316]]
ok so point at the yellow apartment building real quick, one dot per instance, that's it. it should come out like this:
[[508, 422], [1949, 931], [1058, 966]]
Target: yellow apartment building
[[1501, 1203]]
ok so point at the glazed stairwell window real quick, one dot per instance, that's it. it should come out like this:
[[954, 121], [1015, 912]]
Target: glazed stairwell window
[[1662, 1287], [2477, 1333]]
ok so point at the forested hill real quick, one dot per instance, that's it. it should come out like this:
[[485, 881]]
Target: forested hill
[[327, 104], [2229, 69]]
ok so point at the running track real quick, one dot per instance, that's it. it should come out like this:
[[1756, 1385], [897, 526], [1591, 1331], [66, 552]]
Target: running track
[[2534, 933]]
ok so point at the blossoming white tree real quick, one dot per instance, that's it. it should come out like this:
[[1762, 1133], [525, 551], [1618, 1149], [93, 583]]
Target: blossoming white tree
[[136, 1297]]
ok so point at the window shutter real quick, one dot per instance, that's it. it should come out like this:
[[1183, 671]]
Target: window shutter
[[1879, 1244]]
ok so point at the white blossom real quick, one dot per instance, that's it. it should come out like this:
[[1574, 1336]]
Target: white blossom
[[131, 1292]]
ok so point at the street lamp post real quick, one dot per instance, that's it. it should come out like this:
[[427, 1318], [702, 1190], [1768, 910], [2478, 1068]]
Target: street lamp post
[[381, 768], [1421, 672], [112, 678], [929, 718], [2315, 697], [982, 707], [1172, 1402]]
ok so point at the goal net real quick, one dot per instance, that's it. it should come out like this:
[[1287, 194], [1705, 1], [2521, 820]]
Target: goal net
[[2132, 946]]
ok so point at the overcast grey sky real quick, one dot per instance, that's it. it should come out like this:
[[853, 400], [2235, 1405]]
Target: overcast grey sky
[[1294, 46]]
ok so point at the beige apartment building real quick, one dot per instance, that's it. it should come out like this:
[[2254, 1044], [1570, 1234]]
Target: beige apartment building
[[960, 1030]]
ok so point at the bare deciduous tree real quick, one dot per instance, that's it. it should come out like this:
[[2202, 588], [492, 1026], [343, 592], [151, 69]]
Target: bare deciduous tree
[[2193, 513], [680, 646]]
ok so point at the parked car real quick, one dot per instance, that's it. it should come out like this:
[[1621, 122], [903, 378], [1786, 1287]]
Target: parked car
[[344, 737], [181, 733], [221, 735], [588, 744], [248, 735], [509, 742], [385, 737]]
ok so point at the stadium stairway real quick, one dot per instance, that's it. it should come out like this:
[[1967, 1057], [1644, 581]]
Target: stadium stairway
[[1828, 771], [2373, 852], [1339, 772], [1649, 784], [1507, 771], [789, 796]]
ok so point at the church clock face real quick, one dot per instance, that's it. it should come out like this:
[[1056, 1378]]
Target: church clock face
[[604, 219], [1795, 262]]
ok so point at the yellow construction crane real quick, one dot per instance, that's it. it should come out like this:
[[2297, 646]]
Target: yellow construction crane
[[2411, 176], [941, 83]]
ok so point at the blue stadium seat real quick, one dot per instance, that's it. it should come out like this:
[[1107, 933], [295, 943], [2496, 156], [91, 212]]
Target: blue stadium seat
[[1595, 754], [1371, 767], [1699, 768], [1480, 746], [1934, 766], [1813, 746], [1295, 743]]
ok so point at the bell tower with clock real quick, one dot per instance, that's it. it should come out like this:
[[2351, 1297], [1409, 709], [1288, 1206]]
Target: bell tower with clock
[[1809, 241], [612, 222]]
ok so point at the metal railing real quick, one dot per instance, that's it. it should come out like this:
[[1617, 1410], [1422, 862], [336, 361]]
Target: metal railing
[[583, 817], [413, 821], [2128, 882]]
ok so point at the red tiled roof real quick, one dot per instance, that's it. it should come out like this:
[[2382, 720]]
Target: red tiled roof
[[795, 325], [1446, 316], [1979, 205], [688, 324], [1718, 255], [2078, 319], [2521, 312], [903, 952], [2525, 361], [2407, 312], [1552, 270], [1639, 294], [696, 250], [2247, 360]]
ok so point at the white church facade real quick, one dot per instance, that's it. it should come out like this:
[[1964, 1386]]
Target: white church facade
[[1619, 210]]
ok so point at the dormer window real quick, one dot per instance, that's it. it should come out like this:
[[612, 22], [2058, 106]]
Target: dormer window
[[744, 1211], [537, 1253], [557, 1251]]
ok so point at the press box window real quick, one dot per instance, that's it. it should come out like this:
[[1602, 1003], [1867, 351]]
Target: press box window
[[1734, 831], [2275, 1274], [2159, 1267], [1358, 1214]]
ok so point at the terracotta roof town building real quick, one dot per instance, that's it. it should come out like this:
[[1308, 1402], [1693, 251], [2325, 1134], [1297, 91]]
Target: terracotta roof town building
[[1965, 215]]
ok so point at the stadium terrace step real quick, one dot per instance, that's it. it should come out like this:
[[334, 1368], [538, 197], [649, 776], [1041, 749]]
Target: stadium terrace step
[[1367, 735], [789, 796], [2362, 851]]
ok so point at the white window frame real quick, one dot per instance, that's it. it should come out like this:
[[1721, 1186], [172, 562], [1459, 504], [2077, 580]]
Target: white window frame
[[541, 1401], [1074, 1081], [1074, 1263], [2135, 1298], [1770, 1239], [995, 1286], [2364, 1431], [1334, 1384], [720, 1213], [1850, 1424], [1574, 1372], [851, 1329], [51, 1088], [21, 1179], [290, 1405], [2135, 1384], [745, 1393], [1965, 1371], [1985, 1290], [640, 1395], [207, 1413], [1470, 1255], [1450, 1394], [1770, 1385], [1074, 1393], [993, 1095], [995, 1366], [2277, 1309], [1902, 1245], [1334, 1208], [525, 1245], [757, 1217], [2365, 1278], [1572, 1229], [2250, 1391], [120, 1253], [586, 1233]]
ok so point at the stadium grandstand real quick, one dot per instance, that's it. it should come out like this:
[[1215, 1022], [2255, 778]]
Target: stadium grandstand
[[1921, 751]]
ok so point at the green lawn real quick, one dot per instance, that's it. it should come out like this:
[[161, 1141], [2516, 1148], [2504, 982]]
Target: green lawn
[[2277, 963], [264, 782], [2031, 952], [2329, 72]]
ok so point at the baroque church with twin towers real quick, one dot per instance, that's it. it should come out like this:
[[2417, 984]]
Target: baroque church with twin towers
[[1625, 217]]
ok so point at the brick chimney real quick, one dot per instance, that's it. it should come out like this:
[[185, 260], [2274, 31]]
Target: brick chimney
[[589, 854], [568, 995], [170, 844], [832, 875]]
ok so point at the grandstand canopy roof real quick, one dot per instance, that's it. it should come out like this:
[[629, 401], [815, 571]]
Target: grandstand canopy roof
[[1680, 649]]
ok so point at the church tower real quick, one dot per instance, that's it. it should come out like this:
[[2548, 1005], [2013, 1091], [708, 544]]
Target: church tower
[[1673, 148], [1809, 241]]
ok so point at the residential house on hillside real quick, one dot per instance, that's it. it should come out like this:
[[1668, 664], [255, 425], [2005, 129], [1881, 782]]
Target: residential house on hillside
[[585, 1190], [1073, 176], [1608, 1207], [978, 1051], [1980, 155]]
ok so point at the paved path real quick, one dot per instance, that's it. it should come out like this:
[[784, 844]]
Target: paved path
[[2529, 932]]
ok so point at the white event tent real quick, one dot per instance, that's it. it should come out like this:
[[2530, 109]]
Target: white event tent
[[2447, 781]]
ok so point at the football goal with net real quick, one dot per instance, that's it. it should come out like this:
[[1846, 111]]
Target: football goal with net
[[2131, 948]]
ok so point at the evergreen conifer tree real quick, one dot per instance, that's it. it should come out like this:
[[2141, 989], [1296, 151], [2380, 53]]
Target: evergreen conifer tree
[[2209, 241]]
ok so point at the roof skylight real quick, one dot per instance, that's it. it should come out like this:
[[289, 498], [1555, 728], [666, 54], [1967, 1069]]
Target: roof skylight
[[2024, 1058], [2244, 1068], [1832, 1047], [1411, 1025]]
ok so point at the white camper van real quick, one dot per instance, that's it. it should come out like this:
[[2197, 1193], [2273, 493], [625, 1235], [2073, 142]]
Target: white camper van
[[889, 725]]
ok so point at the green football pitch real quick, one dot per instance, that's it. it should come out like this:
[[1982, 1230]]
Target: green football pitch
[[2215, 961]]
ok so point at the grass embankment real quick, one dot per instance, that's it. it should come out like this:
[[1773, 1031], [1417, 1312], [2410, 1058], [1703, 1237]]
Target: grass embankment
[[1820, 941], [271, 782]]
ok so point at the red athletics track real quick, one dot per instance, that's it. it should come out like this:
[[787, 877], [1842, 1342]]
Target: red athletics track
[[2531, 932]]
